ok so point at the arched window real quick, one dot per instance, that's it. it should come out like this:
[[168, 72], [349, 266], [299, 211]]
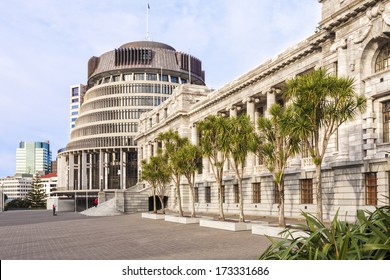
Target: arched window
[[382, 60]]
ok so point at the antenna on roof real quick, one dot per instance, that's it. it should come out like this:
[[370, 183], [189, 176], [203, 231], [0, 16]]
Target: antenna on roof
[[147, 23]]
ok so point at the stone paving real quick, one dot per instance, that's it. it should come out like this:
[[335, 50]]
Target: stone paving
[[38, 235]]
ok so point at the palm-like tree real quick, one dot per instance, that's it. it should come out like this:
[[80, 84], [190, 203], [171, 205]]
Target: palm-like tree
[[157, 175], [322, 103], [188, 158], [173, 142], [242, 140], [278, 144], [215, 147]]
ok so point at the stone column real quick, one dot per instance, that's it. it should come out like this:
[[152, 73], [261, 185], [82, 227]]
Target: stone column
[[71, 171], [271, 99], [83, 172], [250, 111], [155, 147], [194, 134], [233, 111], [106, 170], [90, 170], [123, 169], [101, 170]]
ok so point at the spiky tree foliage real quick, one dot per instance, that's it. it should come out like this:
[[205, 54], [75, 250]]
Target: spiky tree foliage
[[37, 196], [157, 175], [172, 143], [242, 141], [215, 147], [278, 144], [188, 159], [366, 239], [322, 103]]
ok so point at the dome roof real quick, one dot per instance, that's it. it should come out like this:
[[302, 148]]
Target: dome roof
[[147, 44]]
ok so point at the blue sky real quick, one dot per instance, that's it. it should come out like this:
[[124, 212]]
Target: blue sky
[[45, 46]]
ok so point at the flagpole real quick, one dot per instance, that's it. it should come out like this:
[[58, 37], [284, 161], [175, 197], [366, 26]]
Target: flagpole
[[147, 22]]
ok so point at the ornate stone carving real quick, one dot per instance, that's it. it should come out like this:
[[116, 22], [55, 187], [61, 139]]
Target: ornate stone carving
[[361, 34], [342, 43]]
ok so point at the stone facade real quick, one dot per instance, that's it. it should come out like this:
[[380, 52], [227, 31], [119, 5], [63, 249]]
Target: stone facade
[[352, 39]]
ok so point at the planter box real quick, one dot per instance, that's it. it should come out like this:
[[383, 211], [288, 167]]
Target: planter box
[[274, 231], [181, 220], [153, 216], [225, 225]]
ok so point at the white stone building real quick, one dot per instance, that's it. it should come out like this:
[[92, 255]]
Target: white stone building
[[17, 186], [352, 39]]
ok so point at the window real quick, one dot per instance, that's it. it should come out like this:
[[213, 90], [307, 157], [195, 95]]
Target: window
[[208, 194], [127, 77], [138, 76], [306, 191], [151, 77], [236, 193], [164, 78], [174, 79], [276, 194], [223, 193], [382, 60], [74, 113], [256, 197], [75, 91], [196, 195], [386, 121], [371, 188]]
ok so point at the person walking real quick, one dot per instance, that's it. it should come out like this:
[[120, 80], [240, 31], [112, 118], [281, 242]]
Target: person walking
[[95, 202], [54, 210]]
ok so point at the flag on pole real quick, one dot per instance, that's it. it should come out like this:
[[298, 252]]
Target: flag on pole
[[148, 6]]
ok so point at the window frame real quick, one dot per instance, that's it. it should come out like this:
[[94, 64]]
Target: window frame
[[306, 190], [371, 188], [256, 192]]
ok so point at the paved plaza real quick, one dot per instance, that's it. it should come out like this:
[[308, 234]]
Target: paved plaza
[[38, 235]]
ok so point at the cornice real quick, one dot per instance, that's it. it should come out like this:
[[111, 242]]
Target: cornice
[[346, 13]]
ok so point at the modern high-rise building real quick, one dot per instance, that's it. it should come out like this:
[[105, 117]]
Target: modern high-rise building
[[76, 99], [33, 157], [122, 84]]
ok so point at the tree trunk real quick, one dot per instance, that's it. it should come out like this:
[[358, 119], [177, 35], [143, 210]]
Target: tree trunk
[[282, 219], [319, 214], [162, 204], [220, 202], [154, 201], [242, 218], [179, 199], [192, 200]]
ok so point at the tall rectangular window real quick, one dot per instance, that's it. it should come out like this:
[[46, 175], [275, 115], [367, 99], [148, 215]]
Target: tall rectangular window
[[386, 121], [276, 194], [236, 193], [196, 195], [306, 186], [208, 194], [256, 197], [371, 188]]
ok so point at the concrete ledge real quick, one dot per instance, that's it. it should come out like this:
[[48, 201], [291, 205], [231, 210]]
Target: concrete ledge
[[275, 231], [153, 216], [225, 225], [181, 220]]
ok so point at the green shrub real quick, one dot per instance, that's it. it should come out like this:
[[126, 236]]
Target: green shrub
[[366, 239]]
